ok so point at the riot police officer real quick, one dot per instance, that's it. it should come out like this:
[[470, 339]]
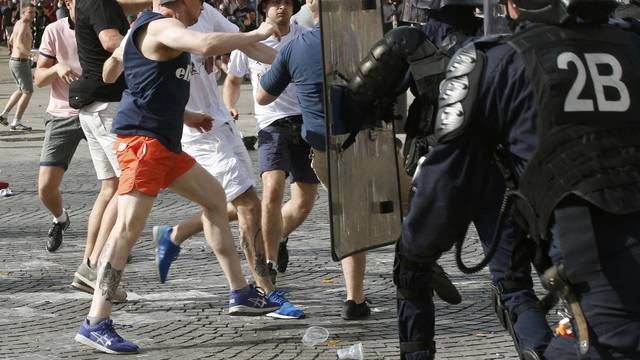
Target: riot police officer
[[556, 106], [446, 26]]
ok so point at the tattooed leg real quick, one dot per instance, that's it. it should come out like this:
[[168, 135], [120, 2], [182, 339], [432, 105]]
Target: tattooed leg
[[260, 265], [109, 281]]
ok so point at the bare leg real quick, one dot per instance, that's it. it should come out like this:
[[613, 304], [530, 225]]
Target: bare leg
[[107, 191], [201, 187], [296, 210], [353, 269], [106, 226], [22, 104], [133, 211], [272, 195], [49, 180], [248, 207], [186, 229], [193, 225], [232, 213], [13, 100]]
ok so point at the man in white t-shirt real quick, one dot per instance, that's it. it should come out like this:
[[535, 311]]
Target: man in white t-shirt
[[281, 150], [223, 154]]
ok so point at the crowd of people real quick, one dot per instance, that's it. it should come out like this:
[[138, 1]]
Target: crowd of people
[[496, 129], [93, 90]]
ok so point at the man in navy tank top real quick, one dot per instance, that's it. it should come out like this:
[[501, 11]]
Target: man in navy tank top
[[148, 126]]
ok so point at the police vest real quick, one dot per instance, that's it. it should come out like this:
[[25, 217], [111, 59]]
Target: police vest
[[587, 87]]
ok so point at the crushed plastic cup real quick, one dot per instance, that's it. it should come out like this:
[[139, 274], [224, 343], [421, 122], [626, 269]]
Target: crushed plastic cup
[[315, 335], [352, 352]]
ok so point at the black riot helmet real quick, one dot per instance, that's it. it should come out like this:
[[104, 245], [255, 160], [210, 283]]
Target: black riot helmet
[[263, 14], [417, 11], [562, 11]]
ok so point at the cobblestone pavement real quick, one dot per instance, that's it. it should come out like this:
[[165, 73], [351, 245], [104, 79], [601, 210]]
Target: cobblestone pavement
[[185, 317]]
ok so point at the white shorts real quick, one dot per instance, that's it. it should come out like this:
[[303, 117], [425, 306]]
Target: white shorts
[[223, 154], [96, 120]]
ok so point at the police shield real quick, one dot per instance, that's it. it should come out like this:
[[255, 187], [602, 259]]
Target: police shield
[[363, 181]]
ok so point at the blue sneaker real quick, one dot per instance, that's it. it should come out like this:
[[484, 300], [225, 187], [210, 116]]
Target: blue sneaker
[[250, 301], [166, 251], [287, 310], [103, 337]]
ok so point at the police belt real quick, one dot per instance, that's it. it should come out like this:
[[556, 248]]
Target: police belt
[[288, 121]]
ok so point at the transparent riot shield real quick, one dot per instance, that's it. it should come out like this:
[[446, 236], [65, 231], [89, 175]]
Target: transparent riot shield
[[363, 184]]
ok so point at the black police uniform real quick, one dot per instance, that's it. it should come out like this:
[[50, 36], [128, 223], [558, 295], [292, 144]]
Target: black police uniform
[[508, 94], [449, 29]]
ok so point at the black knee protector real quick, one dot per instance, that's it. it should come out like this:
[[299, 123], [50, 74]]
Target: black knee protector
[[415, 308], [412, 279]]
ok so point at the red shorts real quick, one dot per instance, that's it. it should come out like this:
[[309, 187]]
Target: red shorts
[[148, 166]]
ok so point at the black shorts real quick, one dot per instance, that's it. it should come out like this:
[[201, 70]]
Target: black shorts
[[281, 147]]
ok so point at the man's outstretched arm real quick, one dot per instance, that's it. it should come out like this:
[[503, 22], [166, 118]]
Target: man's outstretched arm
[[173, 34]]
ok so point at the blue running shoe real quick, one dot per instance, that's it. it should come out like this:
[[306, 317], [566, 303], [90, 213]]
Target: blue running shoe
[[287, 310], [103, 337], [250, 301], [166, 251]]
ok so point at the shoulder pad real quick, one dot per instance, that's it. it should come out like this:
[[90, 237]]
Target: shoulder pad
[[458, 92]]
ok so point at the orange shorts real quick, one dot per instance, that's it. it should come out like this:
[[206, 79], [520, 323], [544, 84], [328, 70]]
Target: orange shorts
[[148, 166]]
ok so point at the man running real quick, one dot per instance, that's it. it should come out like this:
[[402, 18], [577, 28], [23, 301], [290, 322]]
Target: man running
[[20, 66], [223, 154], [281, 151], [149, 128]]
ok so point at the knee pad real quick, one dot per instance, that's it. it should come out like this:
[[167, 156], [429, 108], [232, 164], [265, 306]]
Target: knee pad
[[412, 280]]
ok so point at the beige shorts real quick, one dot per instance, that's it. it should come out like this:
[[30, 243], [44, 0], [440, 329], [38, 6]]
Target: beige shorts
[[96, 120]]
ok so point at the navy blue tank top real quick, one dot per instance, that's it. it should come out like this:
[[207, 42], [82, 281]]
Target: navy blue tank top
[[156, 95]]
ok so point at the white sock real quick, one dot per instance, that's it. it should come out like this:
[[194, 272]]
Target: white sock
[[4, 113], [15, 122], [62, 218]]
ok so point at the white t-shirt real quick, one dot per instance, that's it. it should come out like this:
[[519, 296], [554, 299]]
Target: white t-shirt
[[204, 96], [287, 103]]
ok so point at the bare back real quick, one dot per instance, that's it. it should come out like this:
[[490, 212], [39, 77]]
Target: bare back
[[22, 39]]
